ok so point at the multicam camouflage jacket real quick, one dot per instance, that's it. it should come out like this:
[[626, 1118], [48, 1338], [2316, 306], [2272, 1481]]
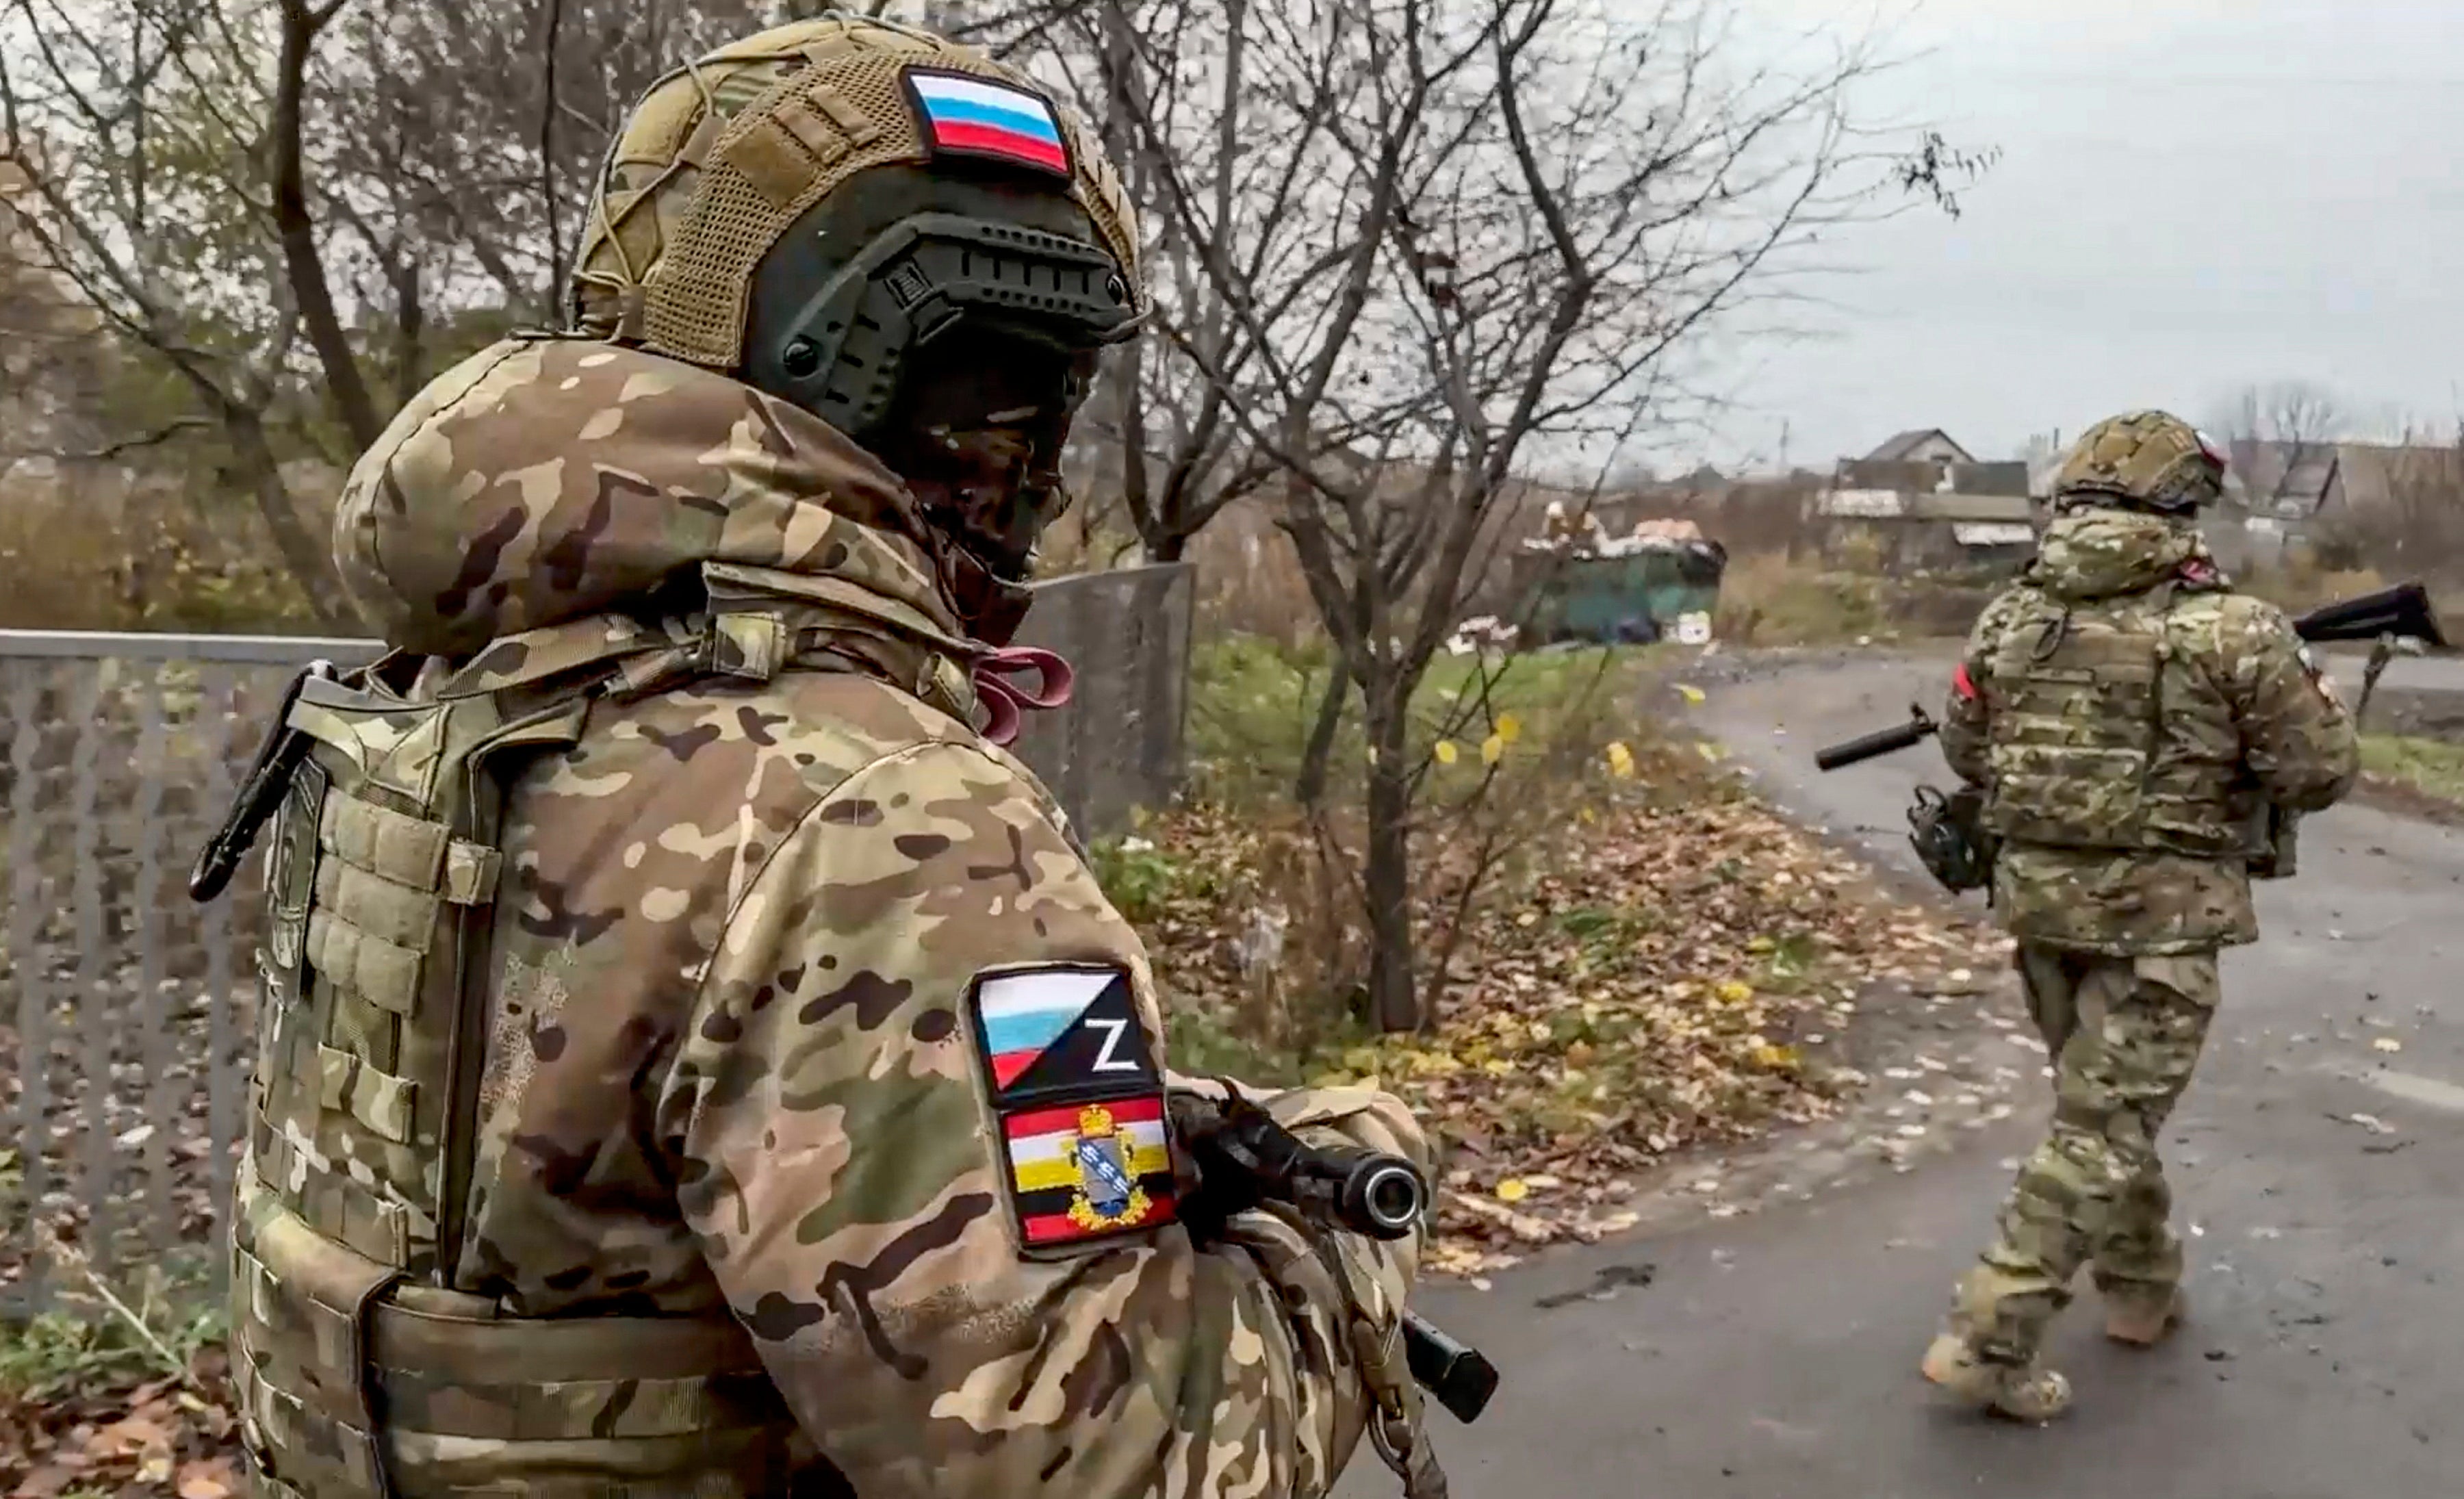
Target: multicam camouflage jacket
[[801, 1014], [2132, 718]]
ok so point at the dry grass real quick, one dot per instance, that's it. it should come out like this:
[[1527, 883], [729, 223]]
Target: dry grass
[[1771, 599], [144, 558], [2431, 768]]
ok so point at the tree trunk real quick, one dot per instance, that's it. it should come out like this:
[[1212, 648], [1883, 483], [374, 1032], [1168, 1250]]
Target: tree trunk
[[1393, 997], [305, 554], [303, 263], [1310, 790]]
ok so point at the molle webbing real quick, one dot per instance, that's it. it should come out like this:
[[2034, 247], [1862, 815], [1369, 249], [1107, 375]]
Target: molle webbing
[[382, 879], [363, 1372], [2087, 751], [353, 1383]]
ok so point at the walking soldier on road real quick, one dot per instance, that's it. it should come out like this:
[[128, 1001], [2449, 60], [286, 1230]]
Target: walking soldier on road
[[2133, 722], [695, 1061]]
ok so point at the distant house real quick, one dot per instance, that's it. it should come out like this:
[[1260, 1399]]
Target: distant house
[[1938, 509], [2284, 481], [2281, 492], [1932, 444]]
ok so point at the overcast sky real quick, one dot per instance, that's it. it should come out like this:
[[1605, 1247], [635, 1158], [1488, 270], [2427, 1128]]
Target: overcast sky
[[2193, 196]]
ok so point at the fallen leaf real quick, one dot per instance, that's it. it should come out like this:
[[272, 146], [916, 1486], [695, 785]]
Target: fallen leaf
[[1692, 694], [130, 1434], [1513, 1189], [46, 1482], [211, 1478], [2387, 1043]]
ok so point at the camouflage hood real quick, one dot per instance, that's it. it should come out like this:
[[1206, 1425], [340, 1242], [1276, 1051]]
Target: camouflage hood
[[544, 481], [2097, 553]]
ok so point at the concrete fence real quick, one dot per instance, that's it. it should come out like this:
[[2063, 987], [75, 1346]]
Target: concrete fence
[[125, 1007]]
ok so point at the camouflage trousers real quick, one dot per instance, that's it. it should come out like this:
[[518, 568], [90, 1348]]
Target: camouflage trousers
[[2125, 1033]]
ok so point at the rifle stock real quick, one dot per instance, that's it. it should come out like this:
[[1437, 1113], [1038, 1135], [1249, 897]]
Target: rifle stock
[[2402, 612]]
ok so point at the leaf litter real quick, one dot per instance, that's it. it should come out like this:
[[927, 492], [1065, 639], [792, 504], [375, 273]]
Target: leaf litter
[[1668, 983]]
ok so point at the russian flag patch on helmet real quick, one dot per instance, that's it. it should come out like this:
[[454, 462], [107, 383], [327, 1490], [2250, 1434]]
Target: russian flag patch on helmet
[[967, 116]]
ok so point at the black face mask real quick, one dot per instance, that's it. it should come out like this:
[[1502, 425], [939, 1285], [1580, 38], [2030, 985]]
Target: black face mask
[[977, 434]]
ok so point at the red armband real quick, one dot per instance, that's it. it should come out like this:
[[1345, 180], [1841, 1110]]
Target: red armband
[[1961, 683]]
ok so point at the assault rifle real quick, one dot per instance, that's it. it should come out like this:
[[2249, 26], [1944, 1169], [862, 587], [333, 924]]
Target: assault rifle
[[2396, 621], [2399, 619], [1246, 1157], [1949, 831]]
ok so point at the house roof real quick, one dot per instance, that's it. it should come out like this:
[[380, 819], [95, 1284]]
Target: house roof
[[1926, 478], [2372, 474], [2295, 481], [1899, 448]]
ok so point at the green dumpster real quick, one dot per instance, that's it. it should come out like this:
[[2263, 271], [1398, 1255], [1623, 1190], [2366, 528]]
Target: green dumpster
[[1639, 595]]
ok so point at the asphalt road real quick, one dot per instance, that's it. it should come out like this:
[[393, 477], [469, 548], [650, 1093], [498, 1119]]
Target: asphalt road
[[2435, 674], [1773, 1357]]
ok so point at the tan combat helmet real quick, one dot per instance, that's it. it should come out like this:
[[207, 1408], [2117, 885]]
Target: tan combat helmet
[[724, 155], [2149, 460], [895, 232]]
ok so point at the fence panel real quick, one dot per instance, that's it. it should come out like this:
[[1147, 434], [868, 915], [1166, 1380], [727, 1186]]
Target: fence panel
[[125, 1016]]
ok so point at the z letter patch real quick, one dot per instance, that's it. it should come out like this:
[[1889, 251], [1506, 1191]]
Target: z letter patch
[[1074, 1086]]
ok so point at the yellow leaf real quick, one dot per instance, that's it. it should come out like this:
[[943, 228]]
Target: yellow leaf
[[1692, 694], [1492, 748], [1446, 752], [1510, 728], [1734, 993], [1621, 761], [1707, 750], [1512, 1190]]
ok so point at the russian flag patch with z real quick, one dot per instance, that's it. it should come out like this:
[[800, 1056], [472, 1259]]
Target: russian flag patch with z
[[1070, 1065]]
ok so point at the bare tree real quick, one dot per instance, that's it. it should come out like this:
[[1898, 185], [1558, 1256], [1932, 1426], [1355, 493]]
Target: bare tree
[[1445, 236], [300, 206], [2282, 437], [160, 148]]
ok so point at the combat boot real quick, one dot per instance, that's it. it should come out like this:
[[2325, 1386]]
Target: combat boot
[[2018, 1392], [2144, 1319]]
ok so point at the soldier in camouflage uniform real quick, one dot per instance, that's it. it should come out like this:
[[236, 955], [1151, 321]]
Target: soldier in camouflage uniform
[[2132, 719], [694, 1060]]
